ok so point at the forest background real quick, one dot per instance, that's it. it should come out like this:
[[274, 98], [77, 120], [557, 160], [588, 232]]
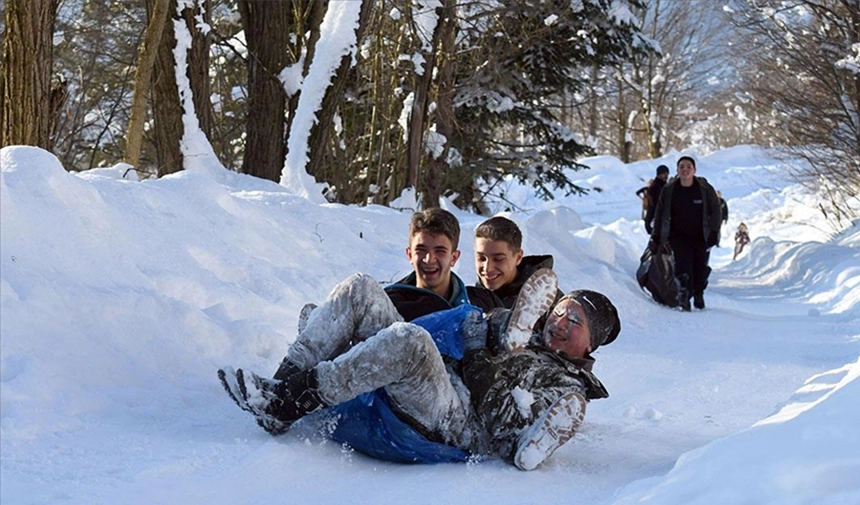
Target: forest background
[[446, 97]]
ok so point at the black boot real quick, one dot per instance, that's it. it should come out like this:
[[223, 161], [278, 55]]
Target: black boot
[[287, 400], [286, 369], [699, 301]]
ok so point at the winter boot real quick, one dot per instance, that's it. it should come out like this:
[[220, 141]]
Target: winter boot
[[699, 301], [286, 369], [284, 400], [535, 299], [553, 429]]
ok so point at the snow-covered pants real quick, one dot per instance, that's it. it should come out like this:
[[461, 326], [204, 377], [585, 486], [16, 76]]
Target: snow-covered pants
[[358, 343]]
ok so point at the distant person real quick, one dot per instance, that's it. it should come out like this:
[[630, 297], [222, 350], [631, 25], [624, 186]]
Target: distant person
[[688, 219], [642, 193], [742, 238], [652, 196], [724, 212], [500, 263]]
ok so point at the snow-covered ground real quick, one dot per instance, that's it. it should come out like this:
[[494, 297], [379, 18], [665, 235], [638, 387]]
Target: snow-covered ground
[[120, 298]]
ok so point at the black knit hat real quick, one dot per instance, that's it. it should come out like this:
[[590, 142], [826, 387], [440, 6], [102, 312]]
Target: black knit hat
[[688, 158], [602, 316], [662, 169]]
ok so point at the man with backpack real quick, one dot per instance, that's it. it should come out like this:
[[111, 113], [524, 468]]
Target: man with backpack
[[652, 195]]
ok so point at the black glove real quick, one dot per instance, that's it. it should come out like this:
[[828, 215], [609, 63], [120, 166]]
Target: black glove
[[649, 228], [652, 246], [474, 330]]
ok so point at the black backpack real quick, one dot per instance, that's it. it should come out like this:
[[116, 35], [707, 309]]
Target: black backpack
[[656, 275]]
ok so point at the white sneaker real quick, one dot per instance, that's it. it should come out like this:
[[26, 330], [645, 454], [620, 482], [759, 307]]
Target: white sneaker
[[553, 429], [535, 299]]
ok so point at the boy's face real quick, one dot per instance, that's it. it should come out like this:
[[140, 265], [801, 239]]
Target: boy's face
[[432, 257], [686, 171], [496, 262], [567, 329]]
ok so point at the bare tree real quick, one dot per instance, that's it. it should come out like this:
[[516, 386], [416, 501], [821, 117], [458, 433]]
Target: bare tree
[[25, 80], [143, 76], [808, 88], [167, 110], [267, 31], [320, 142], [445, 114], [687, 65]]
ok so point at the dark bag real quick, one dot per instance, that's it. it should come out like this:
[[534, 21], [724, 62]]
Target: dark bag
[[656, 274]]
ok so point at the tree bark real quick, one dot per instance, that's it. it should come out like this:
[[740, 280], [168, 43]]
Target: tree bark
[[267, 33], [25, 83], [320, 136], [142, 81], [198, 64], [418, 115], [167, 110], [445, 115]]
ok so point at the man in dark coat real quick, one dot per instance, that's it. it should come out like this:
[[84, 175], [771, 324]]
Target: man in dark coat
[[653, 195], [688, 219]]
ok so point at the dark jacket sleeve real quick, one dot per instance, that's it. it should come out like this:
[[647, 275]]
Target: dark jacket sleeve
[[713, 219], [662, 214]]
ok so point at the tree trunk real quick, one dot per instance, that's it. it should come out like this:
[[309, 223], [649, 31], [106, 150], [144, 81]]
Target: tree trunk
[[167, 110], [267, 33], [621, 119], [145, 62], [593, 113], [445, 118], [417, 117], [315, 16], [320, 135], [25, 83], [198, 64]]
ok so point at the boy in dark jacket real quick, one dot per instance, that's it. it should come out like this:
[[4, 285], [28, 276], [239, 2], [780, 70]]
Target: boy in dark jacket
[[500, 262]]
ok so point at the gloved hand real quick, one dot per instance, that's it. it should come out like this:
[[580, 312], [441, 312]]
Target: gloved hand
[[474, 330]]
